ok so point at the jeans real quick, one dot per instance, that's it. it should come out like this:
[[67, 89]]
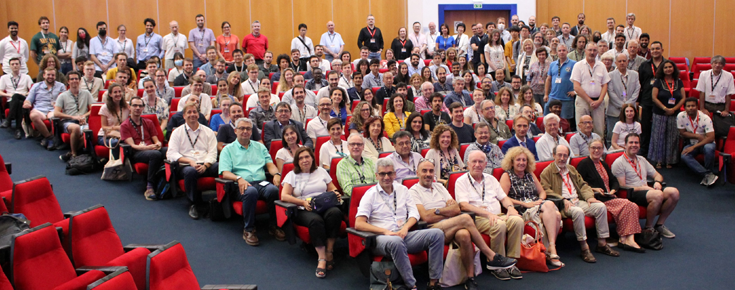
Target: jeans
[[111, 142], [154, 158], [415, 241], [375, 55], [250, 197], [610, 125], [709, 158], [191, 177], [66, 67], [329, 57], [198, 62]]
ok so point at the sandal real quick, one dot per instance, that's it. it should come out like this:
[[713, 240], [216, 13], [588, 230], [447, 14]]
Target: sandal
[[658, 165], [321, 272], [330, 263], [554, 260]]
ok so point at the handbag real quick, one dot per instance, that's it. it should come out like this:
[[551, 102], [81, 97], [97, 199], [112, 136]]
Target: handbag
[[649, 239], [324, 201], [116, 169], [11, 224], [454, 272], [604, 197], [533, 254], [385, 276]]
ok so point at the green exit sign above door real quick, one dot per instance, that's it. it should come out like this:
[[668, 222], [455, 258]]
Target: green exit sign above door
[[478, 6]]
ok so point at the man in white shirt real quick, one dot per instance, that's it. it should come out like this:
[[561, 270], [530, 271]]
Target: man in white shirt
[[481, 193], [545, 145], [364, 53], [102, 49], [15, 86], [318, 126], [194, 148], [333, 80], [14, 47], [417, 38], [196, 92], [303, 43], [580, 142], [251, 85], [609, 35], [324, 64], [392, 223], [431, 40], [715, 88], [345, 80], [332, 42], [590, 80], [696, 127], [632, 170], [310, 98], [441, 211], [631, 32], [301, 112], [172, 43]]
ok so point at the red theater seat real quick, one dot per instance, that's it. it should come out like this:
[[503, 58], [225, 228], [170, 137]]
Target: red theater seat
[[118, 280], [35, 199]]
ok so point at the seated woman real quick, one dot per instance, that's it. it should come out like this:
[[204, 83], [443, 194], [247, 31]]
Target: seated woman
[[357, 122], [223, 89], [221, 118], [526, 98], [473, 114], [419, 136], [444, 151], [528, 197], [480, 74], [291, 142], [306, 181], [368, 96], [598, 175], [340, 109], [415, 82], [505, 109], [154, 104], [285, 83], [335, 147], [627, 124], [395, 119], [374, 138], [50, 60], [469, 81], [112, 114]]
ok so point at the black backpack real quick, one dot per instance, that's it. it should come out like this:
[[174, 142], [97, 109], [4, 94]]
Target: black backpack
[[80, 164], [385, 276], [11, 224], [722, 124], [160, 185], [649, 239]]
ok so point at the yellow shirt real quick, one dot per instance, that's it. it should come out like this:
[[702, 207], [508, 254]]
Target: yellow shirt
[[509, 55], [393, 124], [134, 77]]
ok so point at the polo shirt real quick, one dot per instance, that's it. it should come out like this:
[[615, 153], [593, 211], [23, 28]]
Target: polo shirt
[[561, 73], [332, 41], [173, 44], [590, 77], [201, 38], [430, 198], [622, 168], [716, 88], [580, 144], [255, 45], [317, 127], [247, 163], [74, 107], [127, 130]]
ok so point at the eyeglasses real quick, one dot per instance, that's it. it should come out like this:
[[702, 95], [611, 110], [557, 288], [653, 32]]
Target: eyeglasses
[[356, 144], [137, 105], [384, 174], [244, 128], [365, 110], [586, 122], [325, 105], [283, 111], [595, 148]]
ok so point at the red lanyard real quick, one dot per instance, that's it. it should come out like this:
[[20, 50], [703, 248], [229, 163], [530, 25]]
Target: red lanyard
[[694, 129], [671, 87], [18, 49], [403, 43], [634, 165], [567, 182], [372, 33], [653, 69]]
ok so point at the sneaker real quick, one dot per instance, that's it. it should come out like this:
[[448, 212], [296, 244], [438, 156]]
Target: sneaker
[[664, 231], [514, 273], [193, 212], [436, 286], [250, 238], [5, 124], [704, 180], [711, 179], [277, 233], [501, 274], [500, 262], [470, 284], [44, 142], [50, 144], [150, 194], [65, 157]]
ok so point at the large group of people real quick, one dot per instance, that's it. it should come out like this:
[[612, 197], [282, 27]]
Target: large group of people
[[488, 90]]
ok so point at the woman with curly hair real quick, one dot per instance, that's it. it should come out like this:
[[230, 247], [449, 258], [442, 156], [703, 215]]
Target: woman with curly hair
[[445, 152]]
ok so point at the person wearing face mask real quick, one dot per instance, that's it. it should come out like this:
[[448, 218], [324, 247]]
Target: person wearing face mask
[[102, 50]]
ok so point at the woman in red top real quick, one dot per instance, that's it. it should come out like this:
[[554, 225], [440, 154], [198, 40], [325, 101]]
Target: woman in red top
[[227, 43]]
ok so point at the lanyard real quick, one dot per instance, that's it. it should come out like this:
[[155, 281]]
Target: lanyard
[[634, 165], [86, 84], [696, 122], [590, 70], [472, 182], [176, 40], [712, 80], [147, 41], [250, 83], [301, 114], [43, 35], [372, 33], [632, 30], [76, 102], [625, 85], [403, 43], [16, 48], [241, 68], [229, 39], [378, 146], [653, 69], [671, 87], [560, 65], [135, 127], [567, 182], [104, 43], [15, 83], [395, 203], [189, 137], [347, 82], [158, 92], [339, 150], [124, 43], [331, 37], [359, 172]]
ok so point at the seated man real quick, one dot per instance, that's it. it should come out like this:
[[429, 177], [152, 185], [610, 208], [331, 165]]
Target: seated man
[[219, 72], [550, 139], [492, 152], [579, 143], [183, 78], [498, 129], [332, 82], [72, 107], [465, 133], [505, 230], [387, 89], [520, 125], [243, 162], [251, 84], [301, 110], [354, 169], [436, 116], [205, 103], [141, 135], [317, 82], [697, 127], [15, 87], [458, 94], [253, 102], [555, 106], [151, 67], [631, 171], [273, 129], [121, 78], [226, 134], [194, 147], [318, 126], [404, 159], [393, 223], [440, 211], [40, 101], [89, 82], [121, 62], [310, 98], [579, 201], [206, 87], [264, 112], [529, 113], [178, 119]]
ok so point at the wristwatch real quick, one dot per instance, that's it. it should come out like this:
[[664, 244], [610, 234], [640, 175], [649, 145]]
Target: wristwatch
[[277, 173], [437, 212], [238, 178]]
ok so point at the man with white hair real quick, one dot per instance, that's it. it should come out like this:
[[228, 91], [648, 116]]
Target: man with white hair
[[458, 95], [631, 31], [634, 60], [431, 40], [354, 169], [715, 88], [332, 42], [545, 145], [392, 223], [579, 143], [623, 88], [590, 83]]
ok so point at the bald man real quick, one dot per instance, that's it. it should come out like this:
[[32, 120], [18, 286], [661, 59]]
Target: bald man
[[172, 43], [332, 42]]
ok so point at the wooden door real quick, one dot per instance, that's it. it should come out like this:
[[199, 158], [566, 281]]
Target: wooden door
[[469, 17]]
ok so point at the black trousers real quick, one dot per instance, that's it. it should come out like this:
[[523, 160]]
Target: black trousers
[[17, 112], [321, 227], [646, 124], [154, 158], [190, 176]]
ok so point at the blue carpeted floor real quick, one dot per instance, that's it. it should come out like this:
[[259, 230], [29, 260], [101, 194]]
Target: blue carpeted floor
[[699, 258]]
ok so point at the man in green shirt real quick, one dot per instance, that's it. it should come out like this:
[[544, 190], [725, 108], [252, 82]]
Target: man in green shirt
[[43, 42], [243, 162], [354, 169]]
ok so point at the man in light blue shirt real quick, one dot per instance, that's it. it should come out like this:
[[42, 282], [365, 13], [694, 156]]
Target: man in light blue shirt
[[102, 50], [41, 100], [559, 86], [200, 38], [149, 44], [332, 42]]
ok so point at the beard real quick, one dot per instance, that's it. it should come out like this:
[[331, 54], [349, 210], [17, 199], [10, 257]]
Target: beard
[[644, 45]]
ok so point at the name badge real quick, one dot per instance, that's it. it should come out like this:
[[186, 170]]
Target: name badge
[[196, 152], [652, 81], [403, 50], [400, 222], [372, 40], [672, 101], [557, 80], [592, 83], [227, 50], [625, 93], [145, 49], [103, 53]]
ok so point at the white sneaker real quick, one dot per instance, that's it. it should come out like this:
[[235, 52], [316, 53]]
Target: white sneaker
[[711, 180]]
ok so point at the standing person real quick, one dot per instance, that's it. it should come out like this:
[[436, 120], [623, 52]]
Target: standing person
[[332, 43], [590, 84], [227, 43], [149, 44], [715, 88], [200, 38], [43, 42], [696, 127], [65, 51], [303, 44], [417, 38], [623, 89], [444, 41], [495, 53], [634, 60], [125, 44], [566, 38], [256, 44], [102, 50], [401, 46], [644, 39], [609, 35], [477, 44], [15, 86], [173, 43], [631, 31], [668, 97], [647, 76], [431, 40], [372, 38], [14, 47], [141, 134], [537, 75], [462, 41]]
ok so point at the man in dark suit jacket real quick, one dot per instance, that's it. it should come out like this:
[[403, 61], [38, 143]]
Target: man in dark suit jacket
[[273, 129], [520, 124]]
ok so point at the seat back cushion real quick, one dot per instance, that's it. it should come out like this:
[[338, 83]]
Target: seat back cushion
[[39, 261], [94, 241], [170, 269], [36, 200]]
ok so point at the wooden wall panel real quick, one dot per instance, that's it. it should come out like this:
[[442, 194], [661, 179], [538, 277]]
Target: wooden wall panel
[[652, 17], [315, 14], [566, 10], [542, 12], [275, 23], [184, 12], [349, 18], [128, 13], [692, 38], [236, 12], [390, 15], [26, 13], [597, 12], [724, 43], [71, 16]]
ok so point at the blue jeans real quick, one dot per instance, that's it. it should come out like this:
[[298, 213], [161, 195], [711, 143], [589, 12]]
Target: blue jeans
[[198, 63], [375, 55], [250, 197], [328, 57], [709, 158], [415, 242], [112, 142], [610, 125]]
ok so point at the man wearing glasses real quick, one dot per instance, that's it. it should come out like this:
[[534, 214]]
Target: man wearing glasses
[[244, 162], [404, 159], [142, 136], [318, 127], [273, 130], [580, 141], [354, 169]]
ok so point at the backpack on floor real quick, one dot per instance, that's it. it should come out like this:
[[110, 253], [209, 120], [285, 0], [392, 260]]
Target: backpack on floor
[[160, 185], [649, 239], [722, 124], [385, 276], [80, 164]]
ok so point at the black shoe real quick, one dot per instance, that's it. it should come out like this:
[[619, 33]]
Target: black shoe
[[436, 286], [5, 124], [500, 262], [631, 248], [514, 273], [44, 142], [18, 134], [470, 284], [65, 157], [193, 212]]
